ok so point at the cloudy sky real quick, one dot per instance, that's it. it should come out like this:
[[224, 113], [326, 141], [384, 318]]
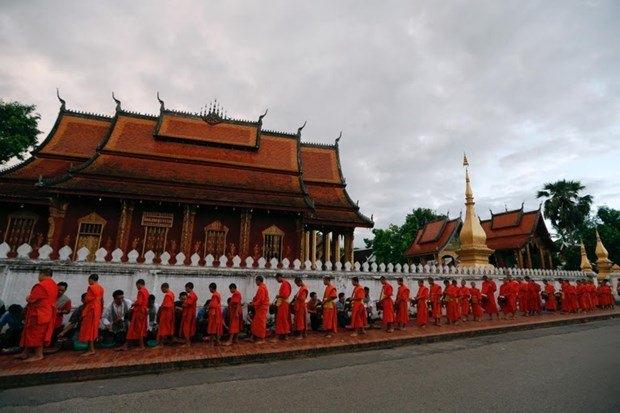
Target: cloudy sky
[[529, 89]]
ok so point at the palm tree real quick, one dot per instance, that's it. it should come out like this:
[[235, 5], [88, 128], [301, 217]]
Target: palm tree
[[565, 208]]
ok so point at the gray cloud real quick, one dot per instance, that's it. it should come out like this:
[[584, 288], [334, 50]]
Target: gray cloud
[[529, 89]]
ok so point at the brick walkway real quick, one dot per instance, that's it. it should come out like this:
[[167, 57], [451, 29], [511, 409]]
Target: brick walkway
[[69, 366]]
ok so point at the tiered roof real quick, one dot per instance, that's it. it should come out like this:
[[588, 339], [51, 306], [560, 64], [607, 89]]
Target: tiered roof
[[203, 158], [433, 237], [513, 229]]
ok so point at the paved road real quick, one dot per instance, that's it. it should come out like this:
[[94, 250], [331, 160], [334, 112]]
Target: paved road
[[569, 369]]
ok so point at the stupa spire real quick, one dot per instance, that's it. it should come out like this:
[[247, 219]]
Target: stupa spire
[[585, 262]]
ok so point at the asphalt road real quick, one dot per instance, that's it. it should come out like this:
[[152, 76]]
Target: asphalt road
[[571, 368]]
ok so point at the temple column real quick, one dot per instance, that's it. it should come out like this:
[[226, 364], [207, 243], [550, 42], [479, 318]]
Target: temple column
[[244, 234], [187, 231], [58, 212], [313, 247], [337, 248], [348, 248], [550, 260], [326, 246], [124, 226], [306, 245], [529, 255], [543, 263]]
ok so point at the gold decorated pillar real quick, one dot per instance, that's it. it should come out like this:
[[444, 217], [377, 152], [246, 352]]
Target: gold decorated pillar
[[313, 247], [124, 226], [187, 231], [529, 255], [326, 247], [244, 234], [348, 247], [335, 247], [58, 212], [306, 246]]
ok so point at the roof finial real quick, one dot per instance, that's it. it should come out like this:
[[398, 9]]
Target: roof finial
[[338, 138], [522, 205], [260, 118], [506, 207], [301, 127], [161, 103], [62, 101], [118, 102], [465, 162], [491, 211], [372, 217]]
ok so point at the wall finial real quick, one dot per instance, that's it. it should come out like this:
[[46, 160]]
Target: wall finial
[[118, 102], [301, 127], [260, 118], [62, 101], [338, 138], [161, 102]]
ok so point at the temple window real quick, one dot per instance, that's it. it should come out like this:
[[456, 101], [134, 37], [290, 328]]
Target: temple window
[[19, 229], [156, 226], [273, 238], [215, 239], [90, 228]]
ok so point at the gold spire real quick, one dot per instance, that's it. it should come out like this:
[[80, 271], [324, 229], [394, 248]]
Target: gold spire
[[474, 251], [585, 262], [603, 262]]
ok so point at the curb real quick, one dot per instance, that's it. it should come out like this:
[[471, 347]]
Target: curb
[[34, 379]]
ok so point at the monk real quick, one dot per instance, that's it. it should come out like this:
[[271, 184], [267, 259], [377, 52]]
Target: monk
[[464, 297], [566, 302], [40, 317], [435, 296], [283, 313], [523, 297], [215, 325], [91, 314], [488, 290], [550, 302], [476, 302], [300, 309], [358, 311], [451, 293], [330, 295], [574, 302], [403, 295], [422, 304], [505, 290], [234, 315], [581, 296], [387, 305], [260, 302], [533, 290], [188, 315], [138, 326], [592, 293], [165, 316]]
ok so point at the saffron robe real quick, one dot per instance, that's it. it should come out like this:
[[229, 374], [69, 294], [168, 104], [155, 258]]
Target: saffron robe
[[464, 301], [234, 313], [387, 303], [422, 306], [452, 305], [505, 289], [138, 326], [283, 313], [261, 307], [593, 296], [550, 303], [523, 298], [215, 325], [91, 313], [165, 324], [40, 314], [402, 304], [574, 302], [188, 316], [566, 306], [330, 322], [476, 298], [488, 289], [301, 312], [435, 295], [358, 311]]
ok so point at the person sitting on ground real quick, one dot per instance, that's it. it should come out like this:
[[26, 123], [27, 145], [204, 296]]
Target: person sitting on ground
[[152, 310], [315, 317], [72, 328], [367, 305], [63, 307], [14, 320], [178, 313], [115, 319], [2, 308], [341, 308]]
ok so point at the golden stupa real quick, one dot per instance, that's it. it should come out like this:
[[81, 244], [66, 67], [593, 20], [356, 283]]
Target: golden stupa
[[603, 262], [473, 251], [585, 262]]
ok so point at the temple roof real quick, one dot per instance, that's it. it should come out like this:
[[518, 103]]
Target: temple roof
[[513, 229], [433, 237]]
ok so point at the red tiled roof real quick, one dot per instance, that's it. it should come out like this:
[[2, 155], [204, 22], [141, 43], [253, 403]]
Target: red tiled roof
[[322, 177], [512, 229], [431, 238]]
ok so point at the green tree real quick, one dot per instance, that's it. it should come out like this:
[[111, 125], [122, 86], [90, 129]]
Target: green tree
[[608, 220], [391, 243], [18, 130], [566, 208]]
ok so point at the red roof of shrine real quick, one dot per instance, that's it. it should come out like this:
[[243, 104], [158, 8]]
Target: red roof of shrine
[[433, 237], [71, 141], [513, 229], [322, 177]]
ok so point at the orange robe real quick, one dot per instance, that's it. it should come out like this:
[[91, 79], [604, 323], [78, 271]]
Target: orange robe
[[387, 303], [165, 324], [261, 307], [435, 295], [488, 288], [574, 302], [330, 322], [566, 301], [593, 296], [523, 297], [550, 303], [402, 304], [422, 306], [476, 299], [91, 313], [464, 301], [505, 290], [215, 325], [234, 313], [138, 327], [188, 316], [452, 304], [300, 309], [40, 314], [283, 313], [358, 311]]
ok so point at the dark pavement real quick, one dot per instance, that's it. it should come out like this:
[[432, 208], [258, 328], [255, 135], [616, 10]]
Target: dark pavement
[[573, 368]]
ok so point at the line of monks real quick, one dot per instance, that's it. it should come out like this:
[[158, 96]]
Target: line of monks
[[460, 302]]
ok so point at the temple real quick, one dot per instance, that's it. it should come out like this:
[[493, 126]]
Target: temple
[[200, 183]]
